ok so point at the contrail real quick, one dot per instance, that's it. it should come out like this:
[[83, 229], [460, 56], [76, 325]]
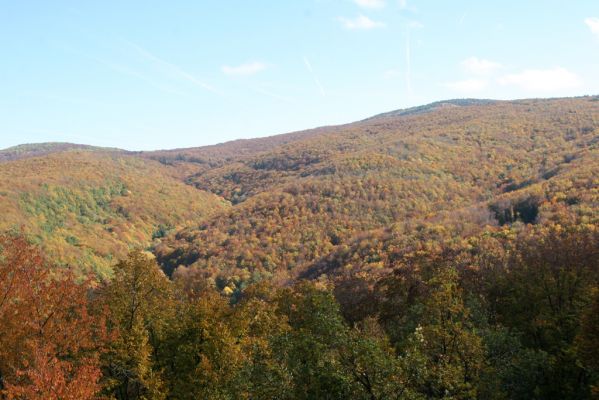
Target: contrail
[[408, 63], [174, 69], [409, 27], [268, 93], [316, 81], [122, 69]]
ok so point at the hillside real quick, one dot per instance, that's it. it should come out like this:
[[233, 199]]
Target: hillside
[[300, 199], [88, 207], [40, 149], [461, 169]]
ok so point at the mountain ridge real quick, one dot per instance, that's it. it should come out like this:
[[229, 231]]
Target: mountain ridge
[[414, 110]]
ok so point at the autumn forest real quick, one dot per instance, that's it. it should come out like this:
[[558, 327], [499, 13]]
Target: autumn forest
[[447, 251]]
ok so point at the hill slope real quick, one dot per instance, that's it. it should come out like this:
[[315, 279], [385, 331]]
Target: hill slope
[[85, 208], [322, 202], [465, 168]]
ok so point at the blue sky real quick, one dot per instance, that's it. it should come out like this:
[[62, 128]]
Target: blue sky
[[145, 75]]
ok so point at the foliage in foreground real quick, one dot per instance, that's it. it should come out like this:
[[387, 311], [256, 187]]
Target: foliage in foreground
[[510, 317]]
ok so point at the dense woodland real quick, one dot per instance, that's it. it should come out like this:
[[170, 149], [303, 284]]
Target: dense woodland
[[454, 171], [509, 316], [446, 251], [88, 208]]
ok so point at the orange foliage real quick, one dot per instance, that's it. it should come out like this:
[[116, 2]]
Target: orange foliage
[[49, 340]]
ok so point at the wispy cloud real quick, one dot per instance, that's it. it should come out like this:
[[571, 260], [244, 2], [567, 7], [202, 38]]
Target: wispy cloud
[[480, 66], [125, 70], [268, 93], [316, 80], [593, 24], [405, 6], [411, 25], [370, 3], [121, 68], [545, 80], [408, 63], [361, 22], [467, 86], [246, 69], [171, 68]]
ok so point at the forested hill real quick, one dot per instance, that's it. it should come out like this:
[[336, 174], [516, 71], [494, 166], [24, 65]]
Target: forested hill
[[87, 208], [442, 175], [281, 205]]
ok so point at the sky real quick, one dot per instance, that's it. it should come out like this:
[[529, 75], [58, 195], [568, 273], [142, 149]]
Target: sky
[[145, 75]]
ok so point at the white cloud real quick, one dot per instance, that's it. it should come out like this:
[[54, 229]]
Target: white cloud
[[546, 80], [250, 68], [467, 85], [403, 5], [479, 66], [361, 22], [370, 3], [593, 24]]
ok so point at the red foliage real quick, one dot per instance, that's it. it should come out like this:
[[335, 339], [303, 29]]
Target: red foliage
[[49, 341]]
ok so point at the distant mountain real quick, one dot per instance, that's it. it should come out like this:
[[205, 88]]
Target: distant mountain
[[40, 149], [321, 202]]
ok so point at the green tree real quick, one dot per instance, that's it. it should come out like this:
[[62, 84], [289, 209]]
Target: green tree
[[446, 338], [139, 300], [328, 359], [310, 350], [204, 349], [587, 341], [370, 360]]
